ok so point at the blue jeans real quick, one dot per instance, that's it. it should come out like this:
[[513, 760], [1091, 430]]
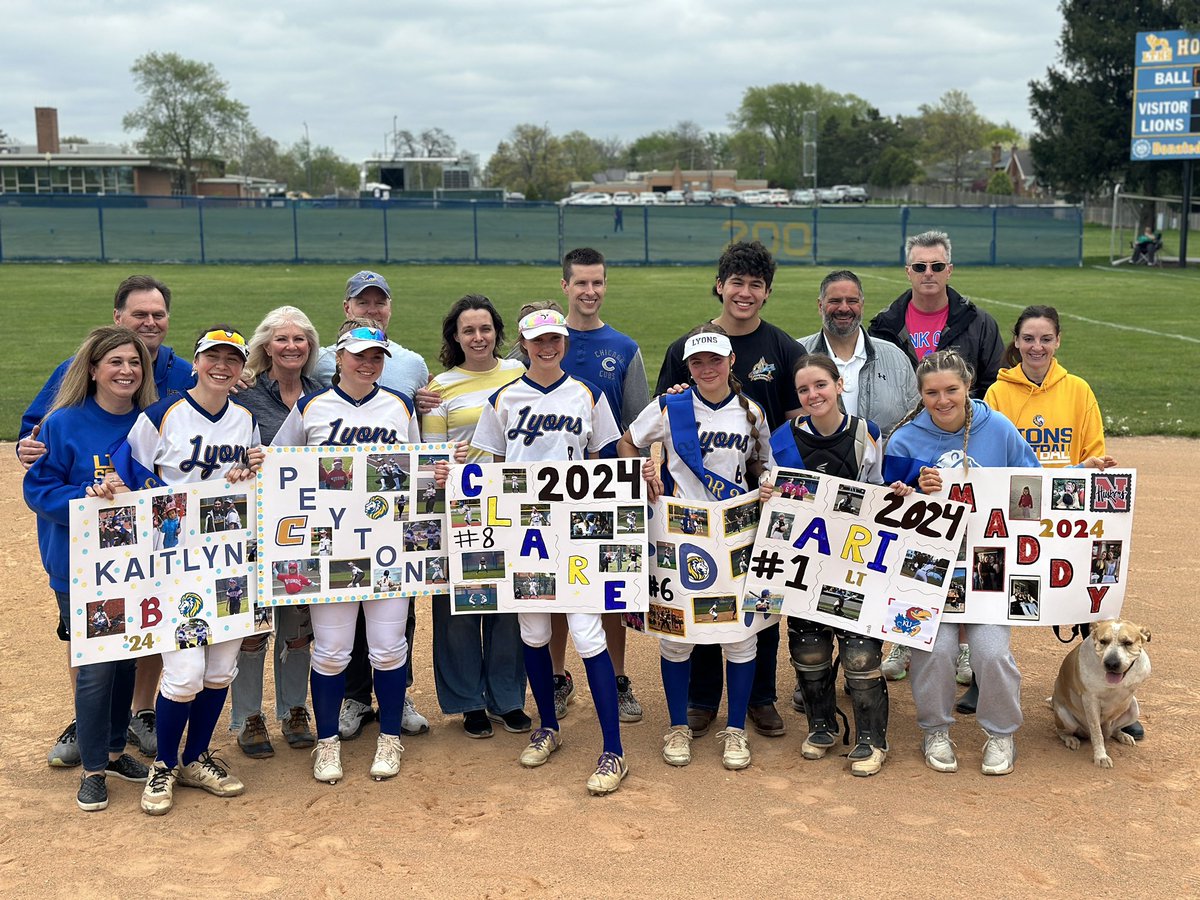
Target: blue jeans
[[103, 694], [478, 661], [291, 674]]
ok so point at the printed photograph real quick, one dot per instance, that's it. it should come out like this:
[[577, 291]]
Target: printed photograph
[[665, 620], [591, 524], [170, 521], [714, 610], [296, 577], [909, 620], [350, 573], [635, 620], [987, 573], [763, 602], [840, 602], [192, 633], [533, 585], [631, 519], [222, 514], [476, 598], [426, 461], [385, 579], [620, 558], [741, 518], [920, 566], [251, 551], [686, 520], [513, 481], [231, 596], [1106, 562], [430, 498], [465, 513], [1068, 493], [118, 527], [739, 559], [666, 555], [401, 508], [956, 594], [849, 499], [535, 515], [795, 486], [105, 617], [483, 565], [322, 542], [264, 619], [437, 570], [1024, 598], [1024, 497], [336, 473], [387, 471], [779, 526], [423, 534]]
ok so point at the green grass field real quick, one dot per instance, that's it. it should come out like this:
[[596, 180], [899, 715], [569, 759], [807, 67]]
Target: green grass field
[[1132, 333]]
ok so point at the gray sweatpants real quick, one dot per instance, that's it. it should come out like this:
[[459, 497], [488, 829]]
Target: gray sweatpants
[[932, 677]]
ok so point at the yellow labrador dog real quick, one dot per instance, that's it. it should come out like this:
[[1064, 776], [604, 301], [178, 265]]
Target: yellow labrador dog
[[1093, 694]]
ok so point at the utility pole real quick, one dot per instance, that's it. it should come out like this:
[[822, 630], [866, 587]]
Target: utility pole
[[308, 159]]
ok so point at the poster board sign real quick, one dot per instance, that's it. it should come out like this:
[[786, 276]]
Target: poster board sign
[[1043, 546], [699, 558], [338, 524], [162, 569], [856, 556], [548, 537]]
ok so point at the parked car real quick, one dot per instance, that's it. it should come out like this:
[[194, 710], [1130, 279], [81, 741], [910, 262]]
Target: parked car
[[700, 197], [624, 198], [778, 196], [854, 195], [589, 198], [752, 198], [649, 198], [514, 197], [803, 196], [829, 195], [725, 195], [674, 198]]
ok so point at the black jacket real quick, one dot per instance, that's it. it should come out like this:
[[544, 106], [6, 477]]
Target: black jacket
[[969, 330]]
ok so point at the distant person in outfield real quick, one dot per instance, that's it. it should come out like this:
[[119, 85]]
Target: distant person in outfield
[[933, 316], [878, 382], [369, 297], [764, 357], [143, 305]]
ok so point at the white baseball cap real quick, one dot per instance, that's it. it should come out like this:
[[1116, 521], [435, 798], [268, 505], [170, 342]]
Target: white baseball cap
[[543, 321], [707, 342], [356, 340]]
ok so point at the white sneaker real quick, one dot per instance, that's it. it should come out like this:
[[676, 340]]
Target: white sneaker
[[962, 668], [412, 722], [159, 794], [939, 752], [737, 751], [209, 774], [677, 746], [610, 772], [895, 666], [327, 760], [387, 757], [353, 718], [542, 743], [999, 754]]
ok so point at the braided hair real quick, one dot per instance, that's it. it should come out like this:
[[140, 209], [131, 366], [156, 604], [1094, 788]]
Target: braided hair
[[754, 462], [951, 361]]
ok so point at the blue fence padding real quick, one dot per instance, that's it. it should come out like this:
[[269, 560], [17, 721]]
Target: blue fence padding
[[41, 227]]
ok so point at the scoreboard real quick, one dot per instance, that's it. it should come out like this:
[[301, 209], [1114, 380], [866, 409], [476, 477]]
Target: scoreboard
[[1166, 96]]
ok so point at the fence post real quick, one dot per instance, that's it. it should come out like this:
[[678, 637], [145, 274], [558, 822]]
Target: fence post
[[200, 217], [295, 233], [562, 212], [995, 219], [646, 234], [384, 204], [100, 225], [904, 212], [1079, 223], [475, 227]]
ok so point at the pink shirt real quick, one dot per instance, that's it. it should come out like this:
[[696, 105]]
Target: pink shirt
[[925, 329]]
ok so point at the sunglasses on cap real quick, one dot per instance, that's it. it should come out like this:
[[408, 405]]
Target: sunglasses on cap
[[920, 268], [362, 333], [224, 337]]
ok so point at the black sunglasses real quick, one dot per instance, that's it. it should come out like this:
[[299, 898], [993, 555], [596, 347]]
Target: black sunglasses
[[919, 268]]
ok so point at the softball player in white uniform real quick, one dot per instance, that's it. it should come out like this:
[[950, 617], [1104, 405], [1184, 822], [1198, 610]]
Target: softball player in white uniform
[[200, 436], [356, 410], [730, 447], [549, 415]]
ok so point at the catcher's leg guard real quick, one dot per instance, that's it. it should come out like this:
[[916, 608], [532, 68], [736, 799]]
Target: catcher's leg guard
[[861, 657], [811, 647]]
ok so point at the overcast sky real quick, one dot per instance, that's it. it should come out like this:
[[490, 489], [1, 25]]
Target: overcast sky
[[619, 68]]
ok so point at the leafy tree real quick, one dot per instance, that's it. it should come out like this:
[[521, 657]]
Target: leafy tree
[[3, 137], [71, 139], [952, 130], [894, 168], [584, 156], [530, 161], [850, 146], [1083, 107], [186, 111], [999, 183], [685, 146]]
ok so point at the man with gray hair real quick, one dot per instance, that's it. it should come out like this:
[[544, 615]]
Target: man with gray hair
[[878, 381], [933, 316]]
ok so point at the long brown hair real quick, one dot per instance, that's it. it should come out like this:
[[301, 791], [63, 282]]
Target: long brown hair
[[1012, 355], [77, 384]]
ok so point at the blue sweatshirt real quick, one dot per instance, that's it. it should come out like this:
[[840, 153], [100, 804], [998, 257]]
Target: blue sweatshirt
[[994, 442], [172, 375], [79, 440]]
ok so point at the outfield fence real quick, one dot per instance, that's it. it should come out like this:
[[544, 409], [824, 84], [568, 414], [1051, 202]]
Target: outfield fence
[[124, 228]]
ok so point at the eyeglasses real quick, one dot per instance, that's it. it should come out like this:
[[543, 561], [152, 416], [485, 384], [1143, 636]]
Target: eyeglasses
[[224, 337], [365, 334], [920, 268]]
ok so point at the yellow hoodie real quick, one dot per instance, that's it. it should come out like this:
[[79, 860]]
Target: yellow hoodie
[[1059, 418]]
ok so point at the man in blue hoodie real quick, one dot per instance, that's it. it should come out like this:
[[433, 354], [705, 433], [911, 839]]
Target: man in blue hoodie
[[142, 304]]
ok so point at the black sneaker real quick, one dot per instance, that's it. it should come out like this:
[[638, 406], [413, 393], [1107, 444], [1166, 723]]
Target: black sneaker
[[476, 724], [93, 793], [127, 768], [515, 721]]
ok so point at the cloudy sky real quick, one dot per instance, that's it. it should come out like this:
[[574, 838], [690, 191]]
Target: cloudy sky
[[614, 68]]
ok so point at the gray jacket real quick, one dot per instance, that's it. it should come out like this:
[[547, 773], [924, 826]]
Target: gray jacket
[[887, 385]]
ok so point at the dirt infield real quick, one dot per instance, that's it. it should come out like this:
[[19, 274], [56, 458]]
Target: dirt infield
[[464, 819]]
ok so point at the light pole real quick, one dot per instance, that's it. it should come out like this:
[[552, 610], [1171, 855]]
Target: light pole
[[308, 159], [49, 187]]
